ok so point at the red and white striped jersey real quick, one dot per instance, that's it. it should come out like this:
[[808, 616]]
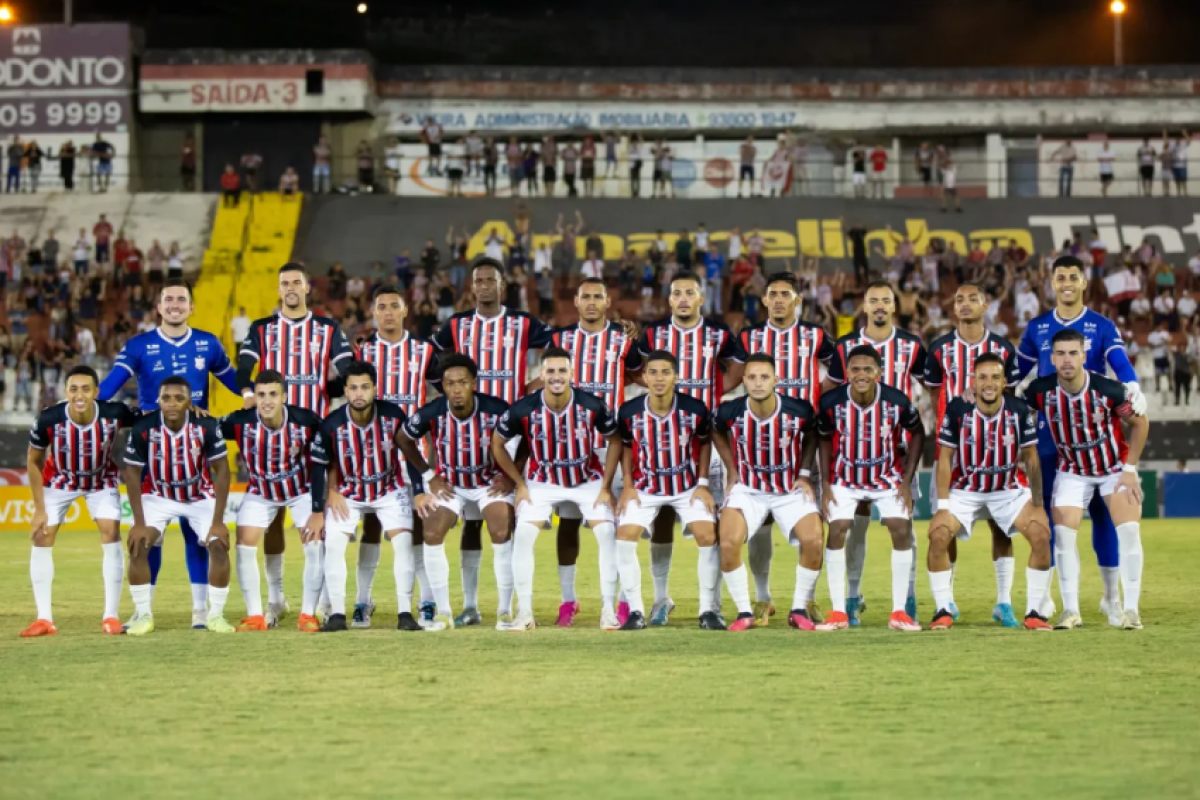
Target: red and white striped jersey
[[498, 345], [903, 357], [700, 350], [404, 369], [560, 442], [1086, 427], [366, 456], [303, 351], [666, 449], [866, 439], [463, 446], [80, 456], [951, 364], [176, 462], [277, 459], [799, 351], [599, 362], [987, 450], [767, 451]]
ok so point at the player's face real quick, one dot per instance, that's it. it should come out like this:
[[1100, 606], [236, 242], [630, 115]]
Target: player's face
[[880, 304], [862, 372], [268, 399], [1069, 284], [760, 381], [81, 392], [660, 378], [1067, 358], [389, 312], [459, 386], [293, 288], [487, 283], [174, 402], [781, 303], [686, 299], [592, 302], [969, 304], [360, 392], [175, 305], [556, 374], [989, 382]]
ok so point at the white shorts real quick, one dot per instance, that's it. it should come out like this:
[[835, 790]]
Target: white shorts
[[161, 512], [787, 509], [393, 510], [469, 504], [1074, 491], [258, 512], [104, 504], [570, 512], [644, 510], [860, 178], [846, 500], [544, 497], [1003, 507]]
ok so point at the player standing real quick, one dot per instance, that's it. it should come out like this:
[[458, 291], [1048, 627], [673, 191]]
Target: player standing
[[275, 440], [703, 348], [304, 348], [861, 425], [174, 348], [902, 356], [558, 423], [70, 449], [405, 366], [1084, 412], [984, 445], [666, 438], [498, 340], [461, 423], [765, 440], [603, 354], [1103, 347], [357, 442], [799, 350], [949, 369], [177, 467]]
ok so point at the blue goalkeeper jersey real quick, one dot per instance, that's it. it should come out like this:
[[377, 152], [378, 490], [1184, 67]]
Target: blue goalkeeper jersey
[[1102, 343], [152, 356]]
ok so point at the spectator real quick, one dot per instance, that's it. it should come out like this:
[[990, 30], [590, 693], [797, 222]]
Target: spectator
[[1146, 155], [950, 183], [1166, 160], [1160, 342], [714, 271], [545, 292], [66, 165], [392, 156], [335, 285], [543, 261], [322, 157], [240, 326], [858, 252], [1066, 156], [187, 163], [736, 244], [754, 248], [24, 378], [587, 164], [752, 295], [458, 257], [518, 256], [549, 164], [610, 154], [16, 152], [1139, 309], [456, 155], [491, 157], [924, 162], [636, 152], [1164, 310], [85, 345], [1179, 161], [1099, 251], [879, 160], [50, 249], [33, 157], [156, 260], [1105, 159], [231, 187], [364, 159], [104, 153], [473, 153], [565, 257], [174, 262], [133, 266], [426, 320], [858, 158], [1185, 307], [444, 292], [743, 270], [494, 245], [16, 247], [420, 287], [431, 135], [799, 156], [683, 250], [82, 253], [1162, 275], [1027, 306], [356, 289], [402, 270], [664, 179], [430, 258], [628, 274], [746, 155], [1182, 373], [251, 166], [289, 182], [529, 168], [593, 267]]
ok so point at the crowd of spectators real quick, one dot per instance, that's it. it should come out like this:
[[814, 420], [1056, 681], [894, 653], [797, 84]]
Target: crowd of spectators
[[25, 161]]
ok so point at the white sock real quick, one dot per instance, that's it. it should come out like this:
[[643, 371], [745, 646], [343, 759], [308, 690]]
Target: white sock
[[422, 579], [660, 568], [1005, 567], [835, 575], [1066, 555], [739, 588], [856, 553], [273, 566], [566, 581], [523, 563], [402, 569], [217, 595], [759, 550], [912, 569], [314, 578], [631, 574], [199, 596], [1037, 585], [939, 582], [901, 567], [41, 573], [806, 585], [708, 570], [114, 576], [606, 541], [141, 596], [437, 568], [247, 575], [336, 545], [1129, 549], [324, 601], [152, 588], [1111, 577], [469, 566], [368, 563], [502, 565], [953, 569]]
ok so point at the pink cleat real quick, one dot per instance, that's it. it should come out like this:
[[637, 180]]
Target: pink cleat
[[622, 612], [800, 620], [566, 614]]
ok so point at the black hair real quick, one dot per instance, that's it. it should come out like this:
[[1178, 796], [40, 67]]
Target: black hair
[[989, 358], [176, 283], [84, 369], [761, 358], [868, 351], [784, 277], [459, 360], [689, 276], [176, 380], [484, 261], [268, 376], [294, 266], [881, 284], [358, 369], [380, 291], [1067, 262], [594, 282], [976, 286], [664, 355], [555, 352], [1067, 335]]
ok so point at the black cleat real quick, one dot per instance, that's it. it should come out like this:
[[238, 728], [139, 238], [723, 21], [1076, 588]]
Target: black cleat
[[711, 621], [406, 622], [335, 622], [636, 622]]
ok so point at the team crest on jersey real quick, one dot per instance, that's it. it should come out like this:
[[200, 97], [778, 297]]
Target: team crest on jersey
[[155, 436], [199, 362], [1099, 402], [158, 366], [1087, 344], [803, 350], [1008, 438]]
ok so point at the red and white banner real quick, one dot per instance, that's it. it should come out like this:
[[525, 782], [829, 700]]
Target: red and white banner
[[192, 88]]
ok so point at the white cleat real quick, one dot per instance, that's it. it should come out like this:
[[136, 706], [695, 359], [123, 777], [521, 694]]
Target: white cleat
[[440, 622], [504, 621], [1131, 621], [276, 613], [1114, 610], [524, 622], [1068, 620], [323, 611], [608, 620], [199, 620]]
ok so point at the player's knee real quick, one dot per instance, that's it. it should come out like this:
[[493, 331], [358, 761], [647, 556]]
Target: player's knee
[[901, 533], [940, 537], [809, 538], [835, 539]]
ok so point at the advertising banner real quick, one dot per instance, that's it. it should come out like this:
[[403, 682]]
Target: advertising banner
[[16, 509], [192, 88]]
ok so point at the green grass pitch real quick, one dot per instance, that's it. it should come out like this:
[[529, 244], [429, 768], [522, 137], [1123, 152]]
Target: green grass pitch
[[676, 712]]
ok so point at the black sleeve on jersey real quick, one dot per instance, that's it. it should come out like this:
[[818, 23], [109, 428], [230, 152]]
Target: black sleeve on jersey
[[509, 426], [443, 340], [798, 407], [230, 422], [629, 409], [385, 408], [1012, 369], [40, 432], [837, 370], [704, 426], [829, 401], [341, 353], [214, 442], [248, 357], [541, 335], [1027, 427], [826, 353], [137, 449], [326, 438], [433, 374], [727, 412], [918, 367], [1035, 393], [1115, 392], [634, 362], [123, 414], [643, 342], [606, 420], [910, 417], [302, 416], [732, 349], [934, 374], [419, 425], [952, 422]]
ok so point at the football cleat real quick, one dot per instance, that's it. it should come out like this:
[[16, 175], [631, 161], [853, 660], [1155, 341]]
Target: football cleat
[[334, 622], [942, 620], [218, 624], [835, 621], [256, 623], [711, 621], [425, 613], [308, 624], [468, 617], [361, 617], [814, 612], [910, 608], [276, 613], [199, 620], [1036, 622], [440, 622], [609, 621], [1132, 621], [112, 626], [1068, 620], [132, 619], [40, 627], [636, 622], [1114, 610], [901, 621], [744, 622], [953, 609], [1047, 609], [405, 621], [323, 611], [623, 613], [763, 611], [503, 620], [566, 614], [141, 626], [800, 620], [1004, 614], [523, 622], [661, 611], [854, 609]]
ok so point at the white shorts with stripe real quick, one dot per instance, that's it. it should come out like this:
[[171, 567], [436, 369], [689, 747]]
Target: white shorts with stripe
[[161, 512], [102, 504], [545, 497], [394, 511], [570, 512], [786, 509], [469, 504], [258, 512], [644, 510], [1076, 491], [1003, 507], [846, 500]]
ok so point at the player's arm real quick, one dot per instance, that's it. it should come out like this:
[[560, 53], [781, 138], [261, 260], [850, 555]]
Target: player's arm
[[733, 358], [508, 428], [720, 440], [341, 353], [136, 453], [247, 358], [1118, 358], [125, 366], [218, 469], [34, 462], [408, 435], [1033, 473], [318, 484], [1027, 352], [1139, 432], [223, 370], [910, 420]]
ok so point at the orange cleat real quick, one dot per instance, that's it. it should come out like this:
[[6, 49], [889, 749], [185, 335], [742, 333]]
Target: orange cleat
[[41, 627], [256, 623], [942, 620], [1036, 622], [835, 621], [901, 621], [309, 624], [112, 626]]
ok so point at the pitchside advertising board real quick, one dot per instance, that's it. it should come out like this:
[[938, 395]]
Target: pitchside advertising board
[[16, 510]]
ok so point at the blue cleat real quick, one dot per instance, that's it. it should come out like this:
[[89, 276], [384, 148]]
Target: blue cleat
[[661, 611], [468, 617], [953, 609], [425, 614], [1003, 613], [910, 608], [854, 607]]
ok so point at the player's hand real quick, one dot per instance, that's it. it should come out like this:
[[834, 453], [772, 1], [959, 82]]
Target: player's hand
[[502, 486], [705, 497], [969, 394], [140, 539], [439, 487], [826, 499], [425, 504], [314, 529], [199, 412], [944, 518], [906, 498], [628, 495], [629, 327], [522, 496], [1137, 400], [805, 488], [605, 499], [248, 401], [337, 506], [1132, 483], [37, 524], [218, 534]]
